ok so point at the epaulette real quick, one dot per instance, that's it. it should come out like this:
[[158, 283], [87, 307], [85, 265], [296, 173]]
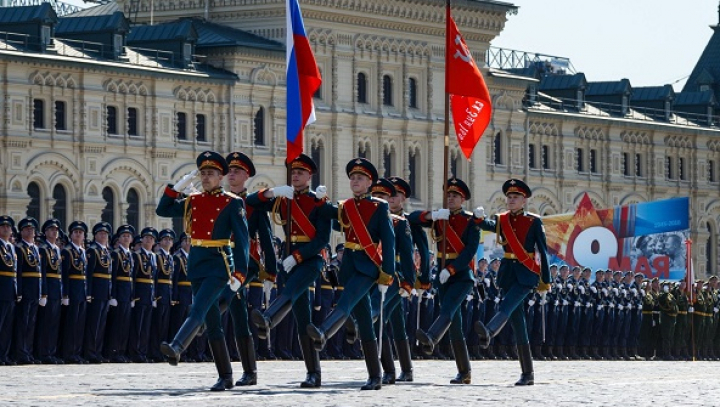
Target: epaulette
[[534, 215], [232, 195], [374, 198], [398, 217], [467, 213]]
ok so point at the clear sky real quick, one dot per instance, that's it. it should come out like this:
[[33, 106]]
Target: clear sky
[[650, 42]]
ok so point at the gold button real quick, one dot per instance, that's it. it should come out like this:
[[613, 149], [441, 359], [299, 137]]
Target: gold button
[[208, 233], [212, 220]]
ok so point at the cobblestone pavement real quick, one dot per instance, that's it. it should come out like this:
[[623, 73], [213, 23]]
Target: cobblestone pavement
[[573, 383]]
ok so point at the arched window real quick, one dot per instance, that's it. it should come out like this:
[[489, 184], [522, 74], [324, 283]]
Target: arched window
[[364, 151], [133, 210], [361, 88], [259, 123], [497, 149], [60, 208], [33, 208], [412, 93], [316, 153], [413, 177], [108, 213], [388, 154], [181, 126], [456, 164], [387, 91]]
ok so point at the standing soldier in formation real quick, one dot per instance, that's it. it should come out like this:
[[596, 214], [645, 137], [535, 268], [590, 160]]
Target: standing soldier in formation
[[668, 315], [49, 314], [212, 218], [29, 290], [164, 289], [309, 234], [457, 238], [74, 283], [261, 264], [182, 288], [523, 237], [8, 287], [122, 295], [99, 274], [369, 258], [144, 275]]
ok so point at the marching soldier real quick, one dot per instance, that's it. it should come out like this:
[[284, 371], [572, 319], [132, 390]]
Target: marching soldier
[[309, 234], [366, 225], [401, 287], [212, 218], [48, 325], [182, 290], [74, 284], [523, 237], [668, 314], [29, 281], [163, 294], [144, 275], [8, 287], [459, 237], [121, 301], [99, 274]]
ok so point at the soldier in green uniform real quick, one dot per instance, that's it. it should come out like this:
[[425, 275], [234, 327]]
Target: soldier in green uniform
[[680, 350], [211, 219], [697, 310], [668, 314], [711, 311]]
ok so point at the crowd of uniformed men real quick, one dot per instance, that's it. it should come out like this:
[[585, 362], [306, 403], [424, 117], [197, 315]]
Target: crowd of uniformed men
[[73, 294]]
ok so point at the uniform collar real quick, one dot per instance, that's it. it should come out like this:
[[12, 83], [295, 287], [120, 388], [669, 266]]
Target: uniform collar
[[241, 194], [518, 213], [362, 196], [456, 211], [399, 213], [216, 191], [302, 191], [78, 248]]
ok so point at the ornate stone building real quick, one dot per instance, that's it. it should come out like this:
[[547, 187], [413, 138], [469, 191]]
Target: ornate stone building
[[87, 135]]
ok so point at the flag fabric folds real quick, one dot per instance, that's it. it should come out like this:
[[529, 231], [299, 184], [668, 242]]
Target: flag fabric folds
[[303, 80], [469, 95], [690, 272]]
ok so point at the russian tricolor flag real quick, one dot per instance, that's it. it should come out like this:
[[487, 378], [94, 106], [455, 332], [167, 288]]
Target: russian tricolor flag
[[303, 80]]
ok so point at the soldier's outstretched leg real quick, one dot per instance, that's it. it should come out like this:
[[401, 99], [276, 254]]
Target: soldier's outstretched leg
[[434, 334], [182, 340], [387, 361], [272, 316], [327, 329], [406, 367], [246, 348], [462, 360], [372, 361], [527, 378], [312, 363], [486, 333], [219, 349]]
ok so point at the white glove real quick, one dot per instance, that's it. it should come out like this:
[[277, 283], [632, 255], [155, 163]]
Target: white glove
[[190, 190], [479, 212], [630, 306], [577, 304], [113, 302], [283, 190], [234, 284], [444, 275], [65, 301], [43, 301], [440, 214], [593, 289], [605, 291], [132, 304], [612, 305], [570, 286], [185, 181], [620, 307], [88, 298], [715, 310], [558, 286], [267, 288], [154, 304], [320, 192], [565, 302], [383, 288], [691, 309], [469, 298], [615, 291], [487, 282], [497, 300], [588, 304], [289, 263], [543, 302], [633, 290], [599, 307], [317, 307], [623, 292], [531, 303], [419, 292], [404, 293], [582, 289], [642, 292], [557, 302]]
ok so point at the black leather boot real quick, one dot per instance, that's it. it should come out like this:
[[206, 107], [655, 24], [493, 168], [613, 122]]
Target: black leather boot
[[182, 340], [537, 351], [312, 363], [526, 365], [350, 330], [272, 316], [327, 329], [434, 334], [462, 360], [219, 349], [403, 349], [372, 361], [486, 333], [387, 362], [246, 348]]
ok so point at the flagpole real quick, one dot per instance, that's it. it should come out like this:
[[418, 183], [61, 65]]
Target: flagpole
[[446, 138], [690, 286]]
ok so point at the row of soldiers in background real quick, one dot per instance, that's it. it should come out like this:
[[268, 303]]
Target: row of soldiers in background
[[134, 295]]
